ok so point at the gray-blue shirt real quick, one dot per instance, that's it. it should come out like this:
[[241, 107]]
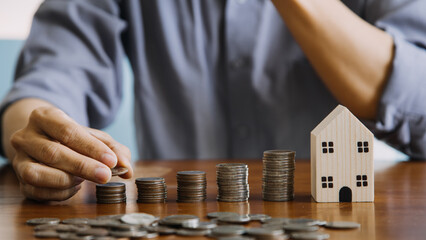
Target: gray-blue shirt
[[213, 79]]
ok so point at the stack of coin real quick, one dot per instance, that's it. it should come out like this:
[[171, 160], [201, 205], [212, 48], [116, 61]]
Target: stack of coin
[[151, 190], [191, 186], [278, 175], [112, 192], [232, 182]]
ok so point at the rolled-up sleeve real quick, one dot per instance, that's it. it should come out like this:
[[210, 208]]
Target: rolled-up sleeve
[[72, 59], [401, 119]]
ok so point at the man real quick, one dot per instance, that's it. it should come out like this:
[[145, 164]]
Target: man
[[213, 79]]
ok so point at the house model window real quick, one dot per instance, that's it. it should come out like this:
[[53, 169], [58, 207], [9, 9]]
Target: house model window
[[361, 181], [327, 147], [327, 181], [362, 147]]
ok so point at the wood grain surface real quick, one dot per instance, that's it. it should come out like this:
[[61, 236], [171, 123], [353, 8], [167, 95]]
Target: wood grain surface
[[399, 210]]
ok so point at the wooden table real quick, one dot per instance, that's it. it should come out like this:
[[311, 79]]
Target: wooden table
[[399, 210]]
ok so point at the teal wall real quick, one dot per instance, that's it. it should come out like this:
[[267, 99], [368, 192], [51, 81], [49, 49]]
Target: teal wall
[[123, 127]]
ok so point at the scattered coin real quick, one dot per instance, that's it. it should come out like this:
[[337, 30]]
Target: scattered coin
[[232, 182], [162, 230], [342, 225], [264, 232], [191, 186], [142, 219], [236, 238], [235, 219], [259, 217], [200, 225], [46, 234], [40, 221], [300, 227], [128, 234], [151, 190], [228, 230], [310, 236], [179, 220], [117, 171], [75, 221], [278, 175], [93, 232], [221, 214], [192, 232]]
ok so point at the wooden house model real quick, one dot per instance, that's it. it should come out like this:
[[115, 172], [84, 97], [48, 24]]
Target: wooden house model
[[342, 167]]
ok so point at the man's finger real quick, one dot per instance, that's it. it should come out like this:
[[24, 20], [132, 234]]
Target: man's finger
[[58, 156], [62, 128], [38, 175], [48, 194]]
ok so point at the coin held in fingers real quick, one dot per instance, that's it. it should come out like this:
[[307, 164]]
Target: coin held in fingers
[[117, 171]]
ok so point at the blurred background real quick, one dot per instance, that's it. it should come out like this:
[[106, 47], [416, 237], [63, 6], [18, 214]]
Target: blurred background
[[15, 23]]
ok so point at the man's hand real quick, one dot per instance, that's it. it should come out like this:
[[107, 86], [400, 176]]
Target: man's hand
[[54, 155]]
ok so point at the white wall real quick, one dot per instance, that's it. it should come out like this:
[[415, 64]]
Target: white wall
[[15, 17]]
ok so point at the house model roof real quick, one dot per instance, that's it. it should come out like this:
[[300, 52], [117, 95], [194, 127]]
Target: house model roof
[[332, 116]]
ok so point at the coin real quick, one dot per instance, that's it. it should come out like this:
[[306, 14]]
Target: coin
[[278, 175], [221, 214], [232, 182], [151, 190], [142, 219], [300, 227], [117, 171], [93, 232], [75, 221], [112, 192], [235, 219], [310, 236], [200, 225], [46, 234], [192, 232], [40, 221], [228, 230], [259, 217], [342, 225], [264, 232], [191, 186], [178, 220]]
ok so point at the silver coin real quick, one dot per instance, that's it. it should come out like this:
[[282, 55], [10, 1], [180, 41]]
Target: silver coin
[[277, 220], [110, 217], [73, 236], [117, 171], [221, 214], [342, 225], [75, 221], [143, 219], [46, 234], [178, 220], [236, 238], [200, 225], [300, 228], [192, 232], [310, 236], [228, 230], [93, 232], [235, 219], [40, 221], [264, 232], [259, 217], [162, 230], [128, 234]]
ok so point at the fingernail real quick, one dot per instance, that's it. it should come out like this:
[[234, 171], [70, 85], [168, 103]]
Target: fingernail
[[109, 159], [102, 174]]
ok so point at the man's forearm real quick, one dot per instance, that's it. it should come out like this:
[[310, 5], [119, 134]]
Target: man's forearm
[[352, 57], [15, 118]]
